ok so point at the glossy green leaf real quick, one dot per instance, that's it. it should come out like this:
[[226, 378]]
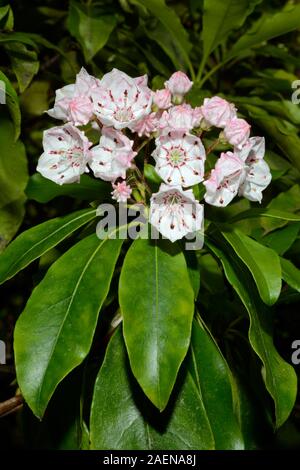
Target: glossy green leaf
[[36, 241], [266, 212], [290, 274], [220, 18], [90, 26], [12, 102], [262, 262], [268, 26], [88, 189], [157, 303], [24, 63], [123, 419], [213, 379], [54, 333], [13, 164], [279, 376], [287, 202], [171, 22], [282, 239]]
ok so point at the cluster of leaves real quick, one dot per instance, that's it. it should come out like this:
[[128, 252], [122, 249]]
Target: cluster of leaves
[[200, 369]]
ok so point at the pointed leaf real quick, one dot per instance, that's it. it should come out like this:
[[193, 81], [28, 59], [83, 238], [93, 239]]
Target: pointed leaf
[[157, 303], [269, 26], [290, 274], [279, 376], [263, 263], [123, 419], [54, 333], [36, 241], [213, 379], [220, 17]]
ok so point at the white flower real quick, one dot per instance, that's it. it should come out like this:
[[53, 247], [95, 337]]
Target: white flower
[[174, 212], [66, 154], [179, 158], [73, 102], [225, 180], [121, 191], [113, 156], [258, 175], [121, 101]]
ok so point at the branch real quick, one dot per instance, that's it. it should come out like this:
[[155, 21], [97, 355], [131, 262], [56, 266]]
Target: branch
[[11, 405]]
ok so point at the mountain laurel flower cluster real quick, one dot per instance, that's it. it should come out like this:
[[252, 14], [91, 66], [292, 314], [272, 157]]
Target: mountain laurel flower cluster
[[137, 125]]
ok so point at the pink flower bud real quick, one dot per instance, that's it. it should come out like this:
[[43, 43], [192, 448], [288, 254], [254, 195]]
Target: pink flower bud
[[217, 112], [121, 191], [162, 98], [179, 84], [146, 125], [237, 132]]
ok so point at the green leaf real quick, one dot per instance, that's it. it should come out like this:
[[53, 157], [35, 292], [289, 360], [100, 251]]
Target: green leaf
[[13, 164], [280, 377], [170, 21], [282, 239], [24, 63], [220, 18], [43, 190], [287, 202], [11, 217], [35, 99], [150, 174], [269, 26], [90, 26], [213, 379], [290, 274], [36, 241], [262, 262], [54, 333], [122, 418], [12, 102], [157, 303], [266, 212]]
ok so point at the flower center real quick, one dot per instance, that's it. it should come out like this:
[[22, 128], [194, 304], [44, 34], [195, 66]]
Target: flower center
[[176, 156], [124, 115]]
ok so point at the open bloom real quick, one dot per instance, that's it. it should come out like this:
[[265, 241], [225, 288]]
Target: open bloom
[[146, 125], [258, 175], [66, 154], [162, 98], [237, 132], [179, 158], [121, 101], [225, 180], [178, 84], [174, 212], [121, 191], [113, 156], [182, 117], [217, 111], [73, 102]]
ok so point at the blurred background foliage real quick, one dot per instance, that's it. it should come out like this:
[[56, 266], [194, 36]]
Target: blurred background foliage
[[249, 53]]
